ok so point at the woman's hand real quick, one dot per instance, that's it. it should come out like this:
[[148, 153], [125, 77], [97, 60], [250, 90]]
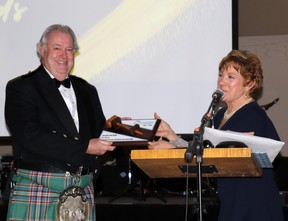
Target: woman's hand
[[164, 129], [160, 144]]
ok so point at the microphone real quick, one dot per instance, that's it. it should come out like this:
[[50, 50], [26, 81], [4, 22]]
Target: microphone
[[217, 95], [216, 98], [267, 106], [198, 134]]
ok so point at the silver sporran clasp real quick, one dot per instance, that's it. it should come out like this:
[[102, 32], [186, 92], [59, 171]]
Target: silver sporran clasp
[[73, 205]]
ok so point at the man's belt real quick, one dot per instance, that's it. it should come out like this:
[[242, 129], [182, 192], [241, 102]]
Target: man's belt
[[49, 168]]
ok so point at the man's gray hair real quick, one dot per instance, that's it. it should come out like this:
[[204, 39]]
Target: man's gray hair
[[56, 27]]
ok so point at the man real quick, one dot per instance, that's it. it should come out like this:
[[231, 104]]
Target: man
[[55, 130]]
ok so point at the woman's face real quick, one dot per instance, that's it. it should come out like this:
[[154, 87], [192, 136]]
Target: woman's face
[[231, 82]]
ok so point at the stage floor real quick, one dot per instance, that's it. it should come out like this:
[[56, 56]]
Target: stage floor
[[151, 208]]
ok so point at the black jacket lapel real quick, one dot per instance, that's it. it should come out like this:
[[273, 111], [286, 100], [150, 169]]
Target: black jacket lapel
[[57, 103]]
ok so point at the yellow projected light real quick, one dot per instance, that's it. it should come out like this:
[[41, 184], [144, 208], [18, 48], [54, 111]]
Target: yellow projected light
[[124, 29]]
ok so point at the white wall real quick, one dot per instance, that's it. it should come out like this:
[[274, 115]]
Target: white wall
[[273, 53]]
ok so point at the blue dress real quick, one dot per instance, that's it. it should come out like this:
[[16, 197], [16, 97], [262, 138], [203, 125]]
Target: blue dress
[[247, 199]]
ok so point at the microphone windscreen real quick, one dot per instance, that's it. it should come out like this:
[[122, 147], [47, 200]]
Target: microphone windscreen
[[218, 94]]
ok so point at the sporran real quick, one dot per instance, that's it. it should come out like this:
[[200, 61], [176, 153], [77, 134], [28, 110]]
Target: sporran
[[73, 205]]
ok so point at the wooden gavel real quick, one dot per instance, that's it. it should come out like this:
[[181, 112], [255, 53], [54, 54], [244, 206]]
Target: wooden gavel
[[115, 122]]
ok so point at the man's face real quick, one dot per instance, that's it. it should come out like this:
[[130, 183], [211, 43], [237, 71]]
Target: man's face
[[58, 54]]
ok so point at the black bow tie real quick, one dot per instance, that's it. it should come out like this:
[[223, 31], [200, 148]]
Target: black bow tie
[[65, 83]]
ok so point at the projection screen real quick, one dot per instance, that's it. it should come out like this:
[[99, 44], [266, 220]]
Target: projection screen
[[143, 56]]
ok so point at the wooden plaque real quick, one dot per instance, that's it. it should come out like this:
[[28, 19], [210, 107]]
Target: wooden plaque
[[134, 132]]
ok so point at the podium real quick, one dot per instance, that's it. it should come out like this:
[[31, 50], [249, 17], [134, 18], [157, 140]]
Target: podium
[[217, 162]]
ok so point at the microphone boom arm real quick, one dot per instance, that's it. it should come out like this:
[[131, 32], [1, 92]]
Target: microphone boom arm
[[197, 142]]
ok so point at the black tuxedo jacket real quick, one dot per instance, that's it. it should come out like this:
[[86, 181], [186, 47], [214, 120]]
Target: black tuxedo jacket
[[40, 123]]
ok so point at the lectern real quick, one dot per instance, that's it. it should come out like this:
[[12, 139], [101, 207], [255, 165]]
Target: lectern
[[217, 162]]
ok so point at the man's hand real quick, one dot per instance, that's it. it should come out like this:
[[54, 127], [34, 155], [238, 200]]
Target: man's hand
[[99, 147]]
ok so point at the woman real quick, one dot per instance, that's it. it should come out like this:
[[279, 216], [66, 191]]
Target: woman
[[240, 78]]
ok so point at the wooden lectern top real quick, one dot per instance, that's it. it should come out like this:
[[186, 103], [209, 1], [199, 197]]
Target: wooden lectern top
[[217, 162]]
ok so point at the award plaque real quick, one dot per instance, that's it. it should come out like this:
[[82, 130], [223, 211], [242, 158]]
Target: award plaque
[[134, 132]]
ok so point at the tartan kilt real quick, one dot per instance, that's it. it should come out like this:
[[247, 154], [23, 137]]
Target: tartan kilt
[[36, 195]]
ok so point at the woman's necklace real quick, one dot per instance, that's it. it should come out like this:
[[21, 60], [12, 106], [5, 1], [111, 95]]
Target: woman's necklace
[[229, 115]]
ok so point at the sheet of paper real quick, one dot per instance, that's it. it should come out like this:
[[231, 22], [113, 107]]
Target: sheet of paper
[[257, 144], [110, 136]]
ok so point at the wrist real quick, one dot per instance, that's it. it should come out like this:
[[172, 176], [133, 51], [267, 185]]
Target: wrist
[[172, 136], [179, 142]]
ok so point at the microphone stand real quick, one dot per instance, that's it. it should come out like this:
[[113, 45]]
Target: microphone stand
[[195, 148]]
